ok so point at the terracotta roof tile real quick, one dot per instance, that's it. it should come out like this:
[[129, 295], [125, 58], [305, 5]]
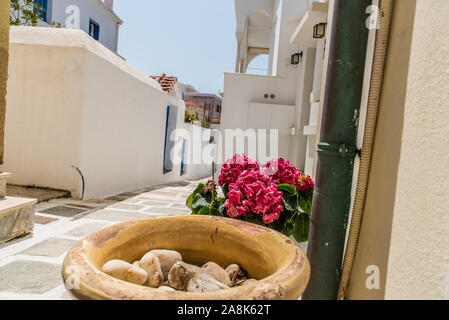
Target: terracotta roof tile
[[167, 83]]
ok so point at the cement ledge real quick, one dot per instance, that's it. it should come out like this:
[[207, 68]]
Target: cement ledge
[[12, 203]]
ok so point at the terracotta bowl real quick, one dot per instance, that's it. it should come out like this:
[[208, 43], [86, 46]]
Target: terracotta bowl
[[275, 260]]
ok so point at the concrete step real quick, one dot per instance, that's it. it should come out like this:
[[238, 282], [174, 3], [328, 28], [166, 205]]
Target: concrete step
[[16, 217]]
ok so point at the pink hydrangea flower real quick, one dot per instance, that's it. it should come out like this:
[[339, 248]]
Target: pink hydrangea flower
[[273, 215], [305, 182], [282, 172], [235, 195], [232, 168], [254, 192]]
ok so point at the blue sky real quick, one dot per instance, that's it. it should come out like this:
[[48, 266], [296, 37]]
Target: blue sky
[[193, 40]]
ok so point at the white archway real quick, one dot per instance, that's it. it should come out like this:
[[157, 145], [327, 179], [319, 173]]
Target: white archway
[[258, 64], [259, 25], [257, 37]]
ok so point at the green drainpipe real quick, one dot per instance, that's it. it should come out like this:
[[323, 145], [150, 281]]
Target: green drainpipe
[[337, 148]]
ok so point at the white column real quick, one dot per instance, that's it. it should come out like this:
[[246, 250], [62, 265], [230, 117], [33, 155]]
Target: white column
[[239, 37]]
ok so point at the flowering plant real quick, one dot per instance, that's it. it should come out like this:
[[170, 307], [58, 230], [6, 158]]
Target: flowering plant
[[278, 195], [189, 118]]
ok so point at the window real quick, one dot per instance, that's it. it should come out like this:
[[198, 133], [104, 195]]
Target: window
[[94, 29], [43, 9]]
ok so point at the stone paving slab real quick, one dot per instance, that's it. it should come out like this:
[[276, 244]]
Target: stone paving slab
[[81, 206], [153, 203], [161, 201], [52, 247], [179, 206], [132, 200], [66, 296], [33, 277], [63, 211], [43, 220], [116, 215], [30, 268], [127, 206], [173, 211], [85, 230], [164, 196]]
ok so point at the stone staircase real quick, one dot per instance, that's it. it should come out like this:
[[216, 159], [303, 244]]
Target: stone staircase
[[16, 214]]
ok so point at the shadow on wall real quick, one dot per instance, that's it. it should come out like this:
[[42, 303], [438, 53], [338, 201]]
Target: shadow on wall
[[375, 235]]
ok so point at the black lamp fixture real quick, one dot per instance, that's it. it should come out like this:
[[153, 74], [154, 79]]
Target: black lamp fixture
[[319, 30], [296, 58]]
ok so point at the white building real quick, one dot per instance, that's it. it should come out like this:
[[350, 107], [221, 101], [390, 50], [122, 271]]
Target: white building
[[287, 98], [73, 130], [95, 17]]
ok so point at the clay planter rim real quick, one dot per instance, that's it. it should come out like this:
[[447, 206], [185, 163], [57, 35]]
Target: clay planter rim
[[289, 282]]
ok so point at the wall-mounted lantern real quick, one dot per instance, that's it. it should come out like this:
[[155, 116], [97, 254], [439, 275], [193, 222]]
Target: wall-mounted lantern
[[296, 58], [319, 30]]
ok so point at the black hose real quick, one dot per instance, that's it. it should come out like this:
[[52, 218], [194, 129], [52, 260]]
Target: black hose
[[82, 179]]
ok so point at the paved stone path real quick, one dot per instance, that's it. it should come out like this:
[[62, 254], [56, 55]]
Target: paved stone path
[[30, 268]]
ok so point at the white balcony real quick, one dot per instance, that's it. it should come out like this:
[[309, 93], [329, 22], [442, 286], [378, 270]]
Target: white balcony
[[317, 13]]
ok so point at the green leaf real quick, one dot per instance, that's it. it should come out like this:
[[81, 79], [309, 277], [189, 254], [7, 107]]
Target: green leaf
[[199, 202], [225, 189], [222, 209], [205, 203], [305, 199], [217, 207], [287, 189], [291, 202], [214, 211], [289, 197], [302, 226], [189, 201], [204, 211], [286, 222]]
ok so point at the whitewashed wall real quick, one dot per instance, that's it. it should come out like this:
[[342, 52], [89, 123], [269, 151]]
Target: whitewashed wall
[[89, 9], [74, 104], [245, 106]]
